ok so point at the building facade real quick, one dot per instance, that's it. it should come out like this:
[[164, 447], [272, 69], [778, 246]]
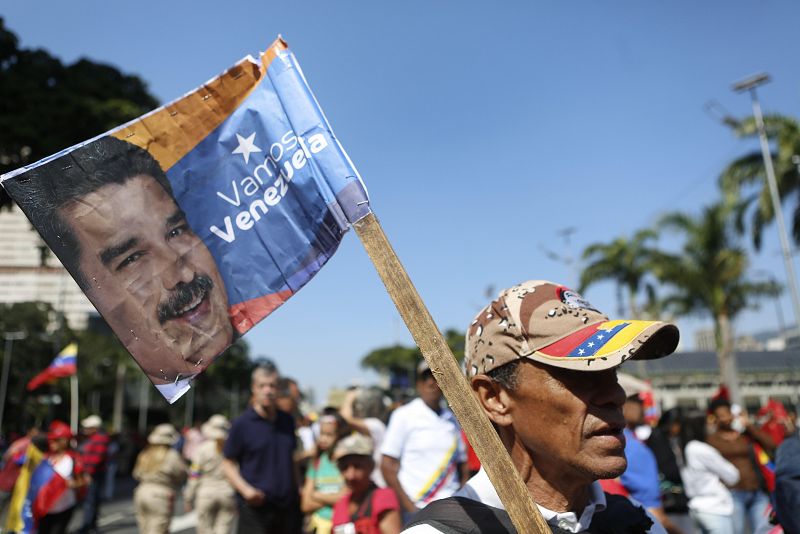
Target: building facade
[[30, 272], [691, 378]]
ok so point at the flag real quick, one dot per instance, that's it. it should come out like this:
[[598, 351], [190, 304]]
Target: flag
[[14, 520], [64, 364], [45, 487], [189, 225]]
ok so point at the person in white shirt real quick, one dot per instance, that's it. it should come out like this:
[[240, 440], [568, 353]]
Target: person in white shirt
[[542, 363], [424, 457], [706, 475]]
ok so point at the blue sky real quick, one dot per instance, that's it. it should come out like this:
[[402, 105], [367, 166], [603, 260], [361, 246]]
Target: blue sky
[[481, 129]]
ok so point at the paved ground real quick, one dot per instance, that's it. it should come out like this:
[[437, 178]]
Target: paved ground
[[117, 516]]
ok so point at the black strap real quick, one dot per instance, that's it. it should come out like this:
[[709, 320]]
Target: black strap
[[459, 515], [365, 508]]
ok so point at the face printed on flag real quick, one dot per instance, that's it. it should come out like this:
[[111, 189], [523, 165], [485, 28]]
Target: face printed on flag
[[189, 225]]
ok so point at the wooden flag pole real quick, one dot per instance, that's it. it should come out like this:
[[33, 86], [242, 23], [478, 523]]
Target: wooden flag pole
[[483, 438], [73, 404]]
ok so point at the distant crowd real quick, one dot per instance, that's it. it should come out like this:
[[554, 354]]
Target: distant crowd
[[343, 470]]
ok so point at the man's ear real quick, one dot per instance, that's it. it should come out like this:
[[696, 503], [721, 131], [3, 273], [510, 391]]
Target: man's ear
[[494, 399]]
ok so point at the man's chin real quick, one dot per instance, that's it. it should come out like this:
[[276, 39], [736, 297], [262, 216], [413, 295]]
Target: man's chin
[[610, 468]]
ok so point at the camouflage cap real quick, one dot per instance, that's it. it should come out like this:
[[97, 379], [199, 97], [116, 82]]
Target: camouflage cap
[[355, 444], [554, 325]]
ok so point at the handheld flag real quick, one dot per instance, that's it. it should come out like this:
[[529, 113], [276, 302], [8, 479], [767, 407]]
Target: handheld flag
[[189, 225], [45, 487], [64, 364], [15, 521]]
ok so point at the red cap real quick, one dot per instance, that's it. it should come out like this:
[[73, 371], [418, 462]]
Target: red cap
[[59, 430]]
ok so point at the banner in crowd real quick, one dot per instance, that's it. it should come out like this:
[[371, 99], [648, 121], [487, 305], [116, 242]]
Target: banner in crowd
[[189, 225], [63, 365]]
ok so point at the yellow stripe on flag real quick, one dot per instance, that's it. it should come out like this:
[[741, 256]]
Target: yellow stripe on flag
[[69, 350], [14, 519], [439, 471], [623, 337]]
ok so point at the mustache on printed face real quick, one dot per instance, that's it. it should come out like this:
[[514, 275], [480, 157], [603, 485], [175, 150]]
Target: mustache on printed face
[[185, 296]]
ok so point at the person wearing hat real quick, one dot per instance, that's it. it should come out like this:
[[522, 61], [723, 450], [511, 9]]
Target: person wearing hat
[[94, 455], [67, 463], [366, 508], [542, 363], [208, 491], [424, 457], [161, 472]]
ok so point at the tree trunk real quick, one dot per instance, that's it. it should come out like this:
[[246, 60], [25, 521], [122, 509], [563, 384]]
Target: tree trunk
[[723, 332], [119, 397], [634, 309]]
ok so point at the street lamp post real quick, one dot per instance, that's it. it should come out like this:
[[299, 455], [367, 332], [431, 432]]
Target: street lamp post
[[10, 338], [750, 84]]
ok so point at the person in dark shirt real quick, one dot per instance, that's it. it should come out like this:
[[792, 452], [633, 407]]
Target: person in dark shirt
[[94, 455], [258, 460], [787, 484]]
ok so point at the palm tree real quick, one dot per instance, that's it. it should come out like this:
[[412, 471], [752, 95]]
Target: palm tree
[[748, 171], [709, 277], [625, 261]]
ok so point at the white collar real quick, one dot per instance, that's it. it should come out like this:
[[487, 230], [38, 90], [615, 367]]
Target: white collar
[[480, 488], [175, 390]]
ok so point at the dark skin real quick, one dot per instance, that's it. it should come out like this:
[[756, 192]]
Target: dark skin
[[723, 418], [562, 428], [429, 392]]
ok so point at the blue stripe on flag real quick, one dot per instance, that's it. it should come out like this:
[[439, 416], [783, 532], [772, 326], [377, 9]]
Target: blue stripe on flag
[[597, 340]]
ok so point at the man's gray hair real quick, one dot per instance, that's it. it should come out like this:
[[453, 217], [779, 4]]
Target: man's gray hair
[[264, 366], [507, 375]]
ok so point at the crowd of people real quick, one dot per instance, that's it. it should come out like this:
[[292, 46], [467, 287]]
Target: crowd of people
[[543, 364], [709, 470]]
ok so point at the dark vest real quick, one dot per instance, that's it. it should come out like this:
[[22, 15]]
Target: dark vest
[[459, 515]]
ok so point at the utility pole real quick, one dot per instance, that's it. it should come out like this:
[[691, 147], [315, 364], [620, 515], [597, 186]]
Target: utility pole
[[750, 84]]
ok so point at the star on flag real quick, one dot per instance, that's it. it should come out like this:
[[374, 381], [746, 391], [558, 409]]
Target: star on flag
[[246, 146]]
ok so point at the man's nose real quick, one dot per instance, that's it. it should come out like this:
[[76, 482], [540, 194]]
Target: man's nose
[[175, 269], [610, 390]]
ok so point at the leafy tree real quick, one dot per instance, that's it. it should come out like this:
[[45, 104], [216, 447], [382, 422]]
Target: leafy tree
[[401, 360], [709, 278], [46, 106], [748, 172], [625, 261], [225, 386], [45, 335]]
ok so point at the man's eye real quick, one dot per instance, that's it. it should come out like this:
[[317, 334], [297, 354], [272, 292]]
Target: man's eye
[[178, 230], [129, 260]]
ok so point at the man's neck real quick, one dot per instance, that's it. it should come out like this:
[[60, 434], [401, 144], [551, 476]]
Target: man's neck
[[435, 406], [549, 486], [266, 412]]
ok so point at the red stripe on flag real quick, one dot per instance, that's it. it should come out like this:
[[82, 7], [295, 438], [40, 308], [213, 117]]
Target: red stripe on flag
[[246, 314], [564, 346], [51, 373]]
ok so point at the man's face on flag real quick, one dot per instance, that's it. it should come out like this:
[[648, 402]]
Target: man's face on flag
[[149, 272]]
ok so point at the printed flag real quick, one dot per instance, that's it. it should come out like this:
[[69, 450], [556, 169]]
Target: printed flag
[[45, 487], [189, 225], [14, 520], [64, 364]]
